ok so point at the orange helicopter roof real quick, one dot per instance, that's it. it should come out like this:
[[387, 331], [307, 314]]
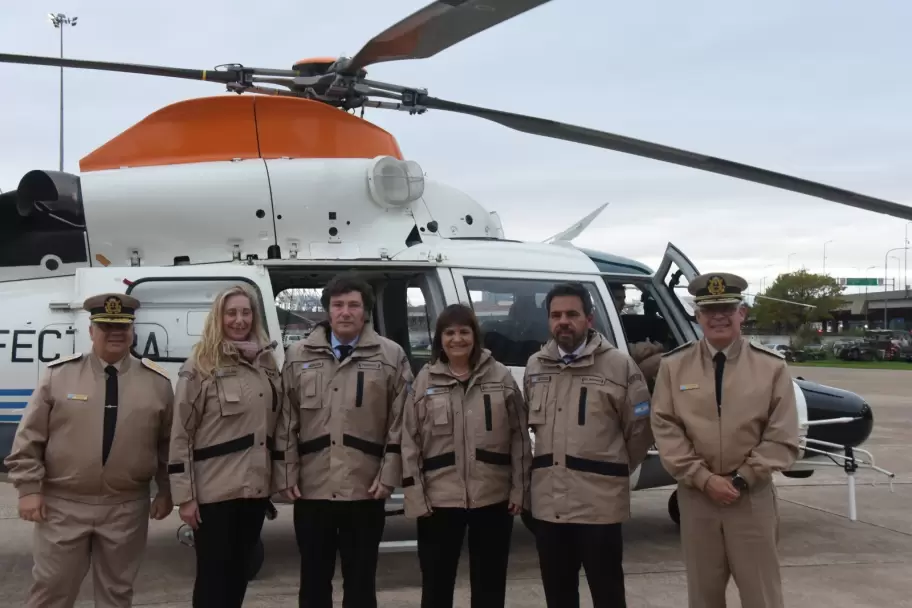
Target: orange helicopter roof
[[242, 126]]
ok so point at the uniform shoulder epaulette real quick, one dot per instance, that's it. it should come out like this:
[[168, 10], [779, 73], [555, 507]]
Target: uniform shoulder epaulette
[[681, 348], [155, 367], [766, 351], [73, 357]]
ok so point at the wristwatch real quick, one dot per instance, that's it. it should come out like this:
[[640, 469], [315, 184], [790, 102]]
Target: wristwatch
[[739, 482]]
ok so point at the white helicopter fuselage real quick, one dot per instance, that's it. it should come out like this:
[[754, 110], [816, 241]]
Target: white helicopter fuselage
[[174, 236]]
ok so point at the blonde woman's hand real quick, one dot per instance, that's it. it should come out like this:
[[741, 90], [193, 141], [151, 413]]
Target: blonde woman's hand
[[189, 514]]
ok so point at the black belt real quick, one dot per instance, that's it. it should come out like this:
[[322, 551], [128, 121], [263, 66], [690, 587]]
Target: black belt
[[584, 465]]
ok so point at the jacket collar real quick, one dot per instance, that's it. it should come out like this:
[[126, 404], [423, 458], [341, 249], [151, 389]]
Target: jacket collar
[[595, 344]]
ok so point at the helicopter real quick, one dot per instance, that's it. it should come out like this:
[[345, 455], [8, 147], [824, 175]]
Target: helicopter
[[296, 188]]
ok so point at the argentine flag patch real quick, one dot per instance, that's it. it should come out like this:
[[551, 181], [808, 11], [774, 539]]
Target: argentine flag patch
[[641, 409]]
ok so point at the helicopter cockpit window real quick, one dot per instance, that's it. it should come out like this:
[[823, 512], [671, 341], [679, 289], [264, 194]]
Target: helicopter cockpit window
[[513, 319]]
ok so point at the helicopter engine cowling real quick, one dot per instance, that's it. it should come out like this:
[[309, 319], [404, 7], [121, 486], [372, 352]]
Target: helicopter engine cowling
[[336, 208]]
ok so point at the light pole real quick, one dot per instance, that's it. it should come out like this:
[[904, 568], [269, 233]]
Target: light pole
[[866, 295], [824, 256], [886, 257], [906, 263], [59, 20]]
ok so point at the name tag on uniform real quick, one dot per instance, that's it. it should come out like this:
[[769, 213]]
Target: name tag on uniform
[[641, 409], [75, 397], [369, 365], [593, 380], [312, 365], [437, 390], [492, 387], [226, 372], [689, 387], [540, 379]]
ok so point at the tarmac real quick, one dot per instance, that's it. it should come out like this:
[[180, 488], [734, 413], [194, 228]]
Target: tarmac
[[827, 560]]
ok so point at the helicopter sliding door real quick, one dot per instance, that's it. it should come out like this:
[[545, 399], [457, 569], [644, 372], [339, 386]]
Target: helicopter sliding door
[[670, 282]]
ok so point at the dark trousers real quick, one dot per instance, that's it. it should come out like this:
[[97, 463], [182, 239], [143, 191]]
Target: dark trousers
[[224, 542], [563, 548], [440, 537], [354, 529]]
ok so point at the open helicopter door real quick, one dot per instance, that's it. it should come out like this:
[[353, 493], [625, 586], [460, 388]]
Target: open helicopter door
[[674, 274]]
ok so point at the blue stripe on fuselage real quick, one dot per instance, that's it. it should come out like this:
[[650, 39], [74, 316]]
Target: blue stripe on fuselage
[[16, 392]]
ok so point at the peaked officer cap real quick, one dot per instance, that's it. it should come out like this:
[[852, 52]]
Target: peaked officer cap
[[717, 288], [111, 308]]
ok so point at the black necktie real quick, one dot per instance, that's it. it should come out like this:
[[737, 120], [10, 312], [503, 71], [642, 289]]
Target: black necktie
[[344, 351], [569, 358], [719, 360], [110, 412]]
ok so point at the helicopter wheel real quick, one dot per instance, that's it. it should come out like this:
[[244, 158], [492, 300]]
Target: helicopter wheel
[[673, 511]]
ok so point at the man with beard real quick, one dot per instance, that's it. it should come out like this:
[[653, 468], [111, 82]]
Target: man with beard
[[724, 418], [589, 409]]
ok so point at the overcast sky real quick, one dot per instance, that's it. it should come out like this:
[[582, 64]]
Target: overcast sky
[[816, 88]]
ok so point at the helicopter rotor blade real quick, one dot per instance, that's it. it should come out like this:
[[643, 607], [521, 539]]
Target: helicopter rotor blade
[[638, 147], [224, 77], [437, 27]]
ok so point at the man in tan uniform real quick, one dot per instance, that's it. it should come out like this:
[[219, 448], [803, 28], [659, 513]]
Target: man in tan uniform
[[724, 419], [589, 409], [339, 436], [92, 437]]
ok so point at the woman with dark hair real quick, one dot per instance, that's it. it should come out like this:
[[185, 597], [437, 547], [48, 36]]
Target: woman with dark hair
[[466, 457]]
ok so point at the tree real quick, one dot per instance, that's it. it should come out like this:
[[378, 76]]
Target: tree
[[803, 287]]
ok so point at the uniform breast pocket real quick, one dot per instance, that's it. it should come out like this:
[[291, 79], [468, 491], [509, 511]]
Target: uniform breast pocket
[[310, 391], [229, 395], [440, 415], [538, 402]]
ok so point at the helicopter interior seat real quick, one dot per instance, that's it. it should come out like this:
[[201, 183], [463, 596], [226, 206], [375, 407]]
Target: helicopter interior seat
[[513, 340], [393, 302]]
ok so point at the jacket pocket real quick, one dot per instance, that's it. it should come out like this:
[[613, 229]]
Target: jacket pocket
[[310, 393], [539, 400], [439, 412], [229, 395]]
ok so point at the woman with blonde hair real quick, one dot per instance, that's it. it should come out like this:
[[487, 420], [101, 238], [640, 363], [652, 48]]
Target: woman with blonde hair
[[227, 398], [466, 461]]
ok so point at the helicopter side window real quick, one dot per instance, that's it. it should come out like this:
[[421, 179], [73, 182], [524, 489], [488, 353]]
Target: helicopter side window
[[513, 319]]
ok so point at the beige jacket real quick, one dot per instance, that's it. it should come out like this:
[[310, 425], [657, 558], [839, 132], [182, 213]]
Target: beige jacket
[[465, 446], [340, 431], [755, 429], [222, 436], [591, 424], [57, 450]]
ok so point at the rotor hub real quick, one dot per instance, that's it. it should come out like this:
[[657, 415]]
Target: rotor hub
[[314, 66]]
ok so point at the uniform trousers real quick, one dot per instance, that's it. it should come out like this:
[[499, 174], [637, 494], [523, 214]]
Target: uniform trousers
[[225, 540], [598, 548], [739, 540], [440, 539], [354, 529], [112, 538]]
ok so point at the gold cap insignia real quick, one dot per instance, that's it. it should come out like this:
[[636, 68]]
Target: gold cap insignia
[[113, 306], [716, 286]]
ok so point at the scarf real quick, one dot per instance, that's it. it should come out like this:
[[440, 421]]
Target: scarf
[[247, 349]]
